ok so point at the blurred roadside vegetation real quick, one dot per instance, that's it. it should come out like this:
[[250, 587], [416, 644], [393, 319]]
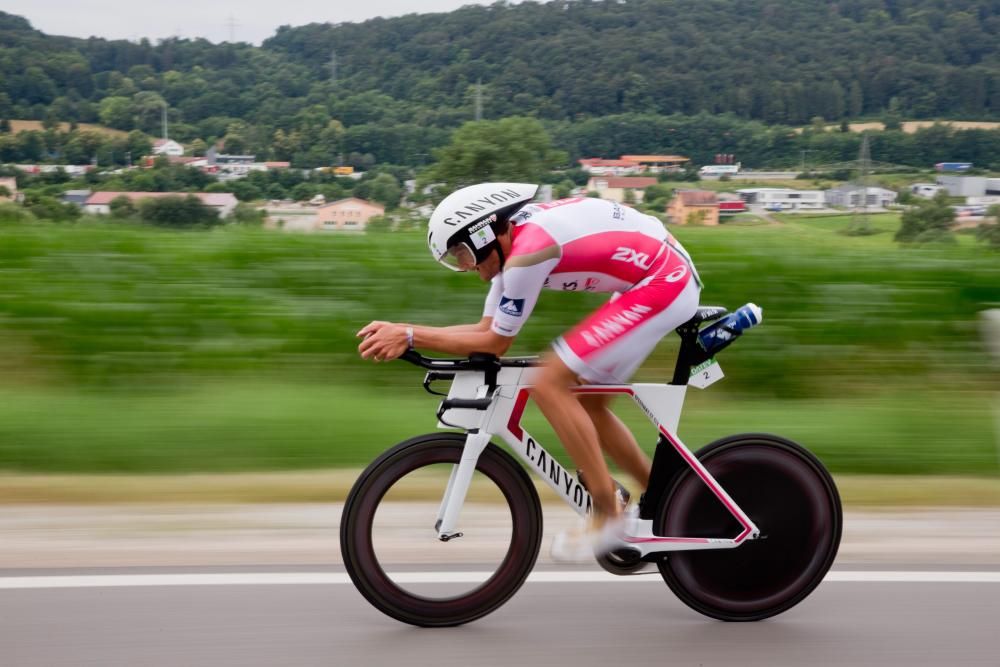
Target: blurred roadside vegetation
[[130, 348]]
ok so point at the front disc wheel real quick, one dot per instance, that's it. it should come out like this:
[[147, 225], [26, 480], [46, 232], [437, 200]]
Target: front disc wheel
[[392, 550]]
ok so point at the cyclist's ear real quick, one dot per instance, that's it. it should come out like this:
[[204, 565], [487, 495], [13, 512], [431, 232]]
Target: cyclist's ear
[[505, 240]]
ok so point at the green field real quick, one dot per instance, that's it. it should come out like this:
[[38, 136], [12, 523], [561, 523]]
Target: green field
[[285, 427], [133, 349]]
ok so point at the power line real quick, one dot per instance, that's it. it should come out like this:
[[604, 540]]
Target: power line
[[861, 171]]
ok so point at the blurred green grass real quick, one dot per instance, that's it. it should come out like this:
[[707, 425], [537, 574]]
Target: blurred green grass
[[124, 348], [285, 427]]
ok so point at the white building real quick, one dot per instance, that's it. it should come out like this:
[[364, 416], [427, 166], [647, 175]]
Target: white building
[[167, 147], [969, 186], [601, 167], [229, 167], [925, 190], [290, 216], [987, 200], [851, 195], [784, 199]]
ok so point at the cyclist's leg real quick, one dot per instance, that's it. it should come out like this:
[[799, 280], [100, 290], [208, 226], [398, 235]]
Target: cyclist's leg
[[554, 397], [616, 440], [609, 345]]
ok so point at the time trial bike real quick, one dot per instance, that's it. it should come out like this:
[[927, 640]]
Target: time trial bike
[[742, 530]]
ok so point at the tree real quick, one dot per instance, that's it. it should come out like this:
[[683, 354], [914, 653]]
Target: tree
[[31, 145], [51, 121], [35, 87], [122, 207], [514, 149], [563, 188], [855, 100], [384, 188], [236, 142], [929, 221], [245, 214], [304, 191], [138, 145], [177, 211], [50, 208], [117, 112], [12, 213], [147, 108], [990, 233], [892, 118]]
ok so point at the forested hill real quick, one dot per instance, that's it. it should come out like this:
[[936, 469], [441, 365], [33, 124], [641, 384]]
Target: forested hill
[[773, 60], [395, 88]]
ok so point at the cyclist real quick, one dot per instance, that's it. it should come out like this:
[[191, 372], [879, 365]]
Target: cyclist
[[577, 244]]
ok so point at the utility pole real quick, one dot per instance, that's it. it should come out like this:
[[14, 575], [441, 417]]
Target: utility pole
[[479, 99], [803, 165], [232, 25], [165, 137]]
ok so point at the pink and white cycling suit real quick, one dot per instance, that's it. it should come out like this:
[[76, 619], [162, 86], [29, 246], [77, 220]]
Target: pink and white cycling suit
[[595, 245]]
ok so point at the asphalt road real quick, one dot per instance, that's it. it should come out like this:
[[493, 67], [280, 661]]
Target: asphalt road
[[635, 622], [185, 586]]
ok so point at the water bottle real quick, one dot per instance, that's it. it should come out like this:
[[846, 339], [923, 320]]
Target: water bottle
[[720, 334]]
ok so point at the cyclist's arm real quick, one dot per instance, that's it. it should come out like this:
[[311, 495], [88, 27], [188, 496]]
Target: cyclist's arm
[[481, 325], [462, 340], [485, 336], [523, 279], [492, 299]]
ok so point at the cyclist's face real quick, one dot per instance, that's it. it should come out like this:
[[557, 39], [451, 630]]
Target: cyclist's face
[[489, 267], [461, 257]]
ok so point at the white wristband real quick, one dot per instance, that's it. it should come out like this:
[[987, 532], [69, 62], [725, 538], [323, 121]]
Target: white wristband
[[409, 337]]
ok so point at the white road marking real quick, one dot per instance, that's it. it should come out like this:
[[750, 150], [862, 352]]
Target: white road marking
[[314, 578]]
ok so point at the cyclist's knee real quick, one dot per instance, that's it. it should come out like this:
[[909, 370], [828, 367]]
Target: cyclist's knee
[[554, 376], [595, 404]]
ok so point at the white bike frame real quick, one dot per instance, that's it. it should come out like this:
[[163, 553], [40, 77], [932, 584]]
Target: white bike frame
[[661, 403]]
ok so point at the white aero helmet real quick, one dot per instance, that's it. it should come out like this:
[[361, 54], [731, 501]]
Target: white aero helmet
[[461, 231]]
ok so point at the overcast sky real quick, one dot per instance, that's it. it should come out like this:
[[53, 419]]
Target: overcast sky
[[254, 20]]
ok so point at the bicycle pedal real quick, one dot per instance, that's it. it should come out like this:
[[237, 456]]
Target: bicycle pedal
[[627, 555]]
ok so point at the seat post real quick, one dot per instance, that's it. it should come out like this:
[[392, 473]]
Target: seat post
[[690, 353]]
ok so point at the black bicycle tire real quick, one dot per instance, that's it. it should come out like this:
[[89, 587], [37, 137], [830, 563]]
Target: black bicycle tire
[[372, 582], [699, 600]]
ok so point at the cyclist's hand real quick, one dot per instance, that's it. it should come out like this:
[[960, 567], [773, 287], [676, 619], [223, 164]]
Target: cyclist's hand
[[382, 341]]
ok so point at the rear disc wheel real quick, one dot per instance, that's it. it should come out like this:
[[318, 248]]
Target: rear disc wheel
[[791, 498]]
